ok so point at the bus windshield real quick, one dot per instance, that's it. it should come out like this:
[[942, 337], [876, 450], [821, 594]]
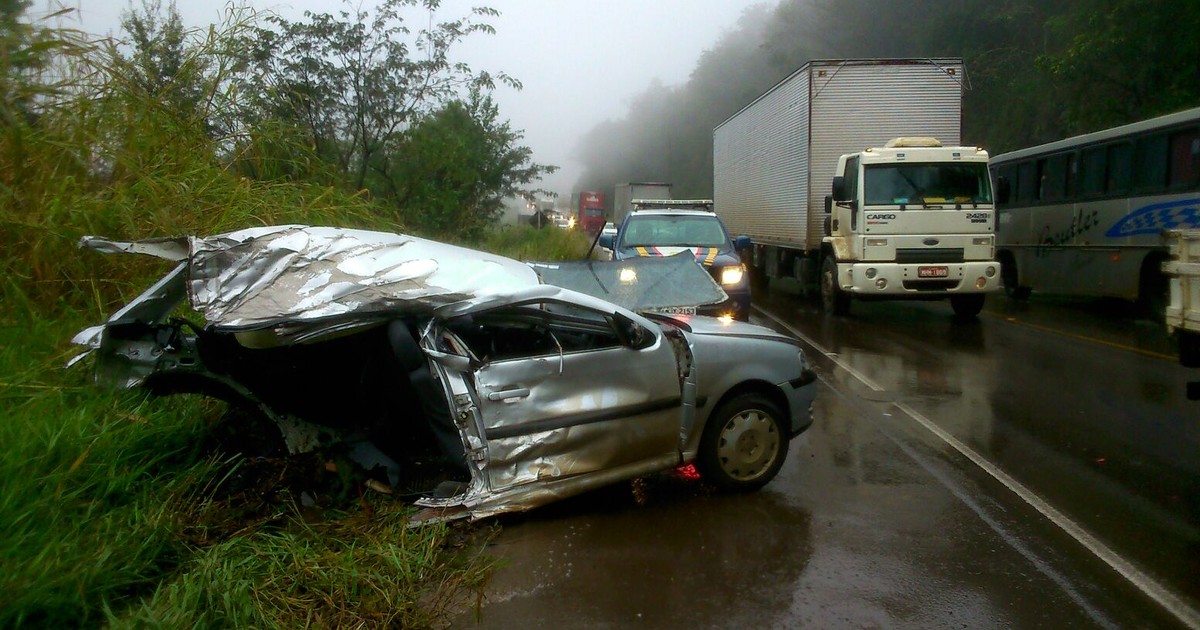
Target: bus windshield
[[925, 184]]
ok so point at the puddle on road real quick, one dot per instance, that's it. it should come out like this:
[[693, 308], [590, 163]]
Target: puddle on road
[[667, 534]]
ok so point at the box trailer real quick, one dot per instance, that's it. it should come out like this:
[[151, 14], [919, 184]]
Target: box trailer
[[625, 193]]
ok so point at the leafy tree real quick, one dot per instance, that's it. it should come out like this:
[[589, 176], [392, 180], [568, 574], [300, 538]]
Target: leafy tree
[[161, 64], [27, 52], [1126, 60], [454, 169], [356, 81]]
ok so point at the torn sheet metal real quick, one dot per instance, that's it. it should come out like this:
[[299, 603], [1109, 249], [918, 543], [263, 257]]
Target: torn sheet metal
[[644, 283], [260, 277]]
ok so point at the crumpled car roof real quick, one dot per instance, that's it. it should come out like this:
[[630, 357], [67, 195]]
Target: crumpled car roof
[[293, 283], [261, 277]]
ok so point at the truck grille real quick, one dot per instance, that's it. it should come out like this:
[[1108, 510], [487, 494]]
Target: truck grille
[[914, 256]]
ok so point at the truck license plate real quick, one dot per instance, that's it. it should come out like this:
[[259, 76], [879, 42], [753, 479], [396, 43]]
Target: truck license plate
[[933, 272]]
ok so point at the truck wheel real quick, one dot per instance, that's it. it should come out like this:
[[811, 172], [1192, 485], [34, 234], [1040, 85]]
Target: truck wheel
[[798, 276], [967, 305], [833, 299], [744, 444]]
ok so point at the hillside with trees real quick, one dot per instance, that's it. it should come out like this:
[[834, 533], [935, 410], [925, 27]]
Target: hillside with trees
[[1036, 72]]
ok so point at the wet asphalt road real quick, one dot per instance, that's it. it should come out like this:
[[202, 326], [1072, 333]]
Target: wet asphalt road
[[1037, 467]]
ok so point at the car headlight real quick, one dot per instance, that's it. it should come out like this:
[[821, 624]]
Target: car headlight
[[731, 275]]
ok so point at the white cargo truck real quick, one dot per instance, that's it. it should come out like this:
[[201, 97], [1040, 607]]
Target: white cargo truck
[[1183, 307], [625, 193], [848, 176]]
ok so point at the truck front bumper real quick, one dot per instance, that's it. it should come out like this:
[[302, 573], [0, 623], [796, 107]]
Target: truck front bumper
[[915, 280]]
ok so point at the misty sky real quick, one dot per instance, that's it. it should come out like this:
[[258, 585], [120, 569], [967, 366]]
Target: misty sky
[[581, 61]]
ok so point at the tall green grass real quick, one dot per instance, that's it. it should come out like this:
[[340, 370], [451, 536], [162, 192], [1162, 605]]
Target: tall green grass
[[109, 501]]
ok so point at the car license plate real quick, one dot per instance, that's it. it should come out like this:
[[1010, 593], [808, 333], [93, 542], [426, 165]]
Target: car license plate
[[678, 310], [933, 272]]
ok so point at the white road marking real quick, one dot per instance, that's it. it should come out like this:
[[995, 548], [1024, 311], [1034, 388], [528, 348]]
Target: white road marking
[[1148, 585]]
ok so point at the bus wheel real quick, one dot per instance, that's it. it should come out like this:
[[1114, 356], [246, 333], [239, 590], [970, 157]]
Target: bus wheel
[[1010, 279]]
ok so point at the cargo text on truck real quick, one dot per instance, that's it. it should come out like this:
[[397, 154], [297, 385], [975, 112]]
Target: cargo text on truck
[[849, 177]]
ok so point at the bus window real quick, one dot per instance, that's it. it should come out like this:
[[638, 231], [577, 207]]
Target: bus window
[[1091, 179], [1150, 163], [1008, 173], [1026, 189], [1120, 168], [1070, 191], [1052, 178], [1185, 159]]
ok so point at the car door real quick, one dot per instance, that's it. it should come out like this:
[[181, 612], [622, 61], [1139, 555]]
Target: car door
[[559, 390]]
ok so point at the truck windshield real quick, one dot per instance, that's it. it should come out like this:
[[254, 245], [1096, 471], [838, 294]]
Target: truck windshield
[[926, 184]]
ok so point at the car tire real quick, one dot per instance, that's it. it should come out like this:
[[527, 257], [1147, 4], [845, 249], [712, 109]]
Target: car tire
[[744, 444], [833, 299]]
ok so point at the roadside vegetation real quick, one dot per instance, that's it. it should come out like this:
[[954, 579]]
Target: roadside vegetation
[[123, 510]]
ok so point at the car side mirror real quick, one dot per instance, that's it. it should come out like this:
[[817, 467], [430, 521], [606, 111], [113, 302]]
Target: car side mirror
[[632, 334], [742, 243], [606, 241]]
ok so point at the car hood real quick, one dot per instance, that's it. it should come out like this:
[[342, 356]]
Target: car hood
[[703, 326], [638, 283], [262, 277]]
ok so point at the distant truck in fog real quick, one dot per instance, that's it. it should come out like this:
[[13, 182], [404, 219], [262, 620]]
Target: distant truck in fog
[[589, 212], [625, 194], [848, 177]]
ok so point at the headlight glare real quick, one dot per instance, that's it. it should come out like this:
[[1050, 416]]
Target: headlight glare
[[731, 275]]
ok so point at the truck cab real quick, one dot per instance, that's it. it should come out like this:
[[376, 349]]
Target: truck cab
[[910, 220]]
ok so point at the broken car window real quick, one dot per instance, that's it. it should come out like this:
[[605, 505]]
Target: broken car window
[[532, 330]]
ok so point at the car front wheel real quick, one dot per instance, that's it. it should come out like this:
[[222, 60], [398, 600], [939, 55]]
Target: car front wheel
[[744, 444]]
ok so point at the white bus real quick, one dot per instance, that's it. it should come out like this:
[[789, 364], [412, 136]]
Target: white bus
[[1085, 216]]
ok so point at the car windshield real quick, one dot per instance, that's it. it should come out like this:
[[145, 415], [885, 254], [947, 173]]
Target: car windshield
[[672, 230], [892, 184]]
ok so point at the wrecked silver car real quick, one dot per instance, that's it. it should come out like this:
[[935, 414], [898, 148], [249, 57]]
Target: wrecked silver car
[[530, 392]]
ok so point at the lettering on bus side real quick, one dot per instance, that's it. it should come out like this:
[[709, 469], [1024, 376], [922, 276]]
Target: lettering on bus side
[[1078, 226], [1158, 217]]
